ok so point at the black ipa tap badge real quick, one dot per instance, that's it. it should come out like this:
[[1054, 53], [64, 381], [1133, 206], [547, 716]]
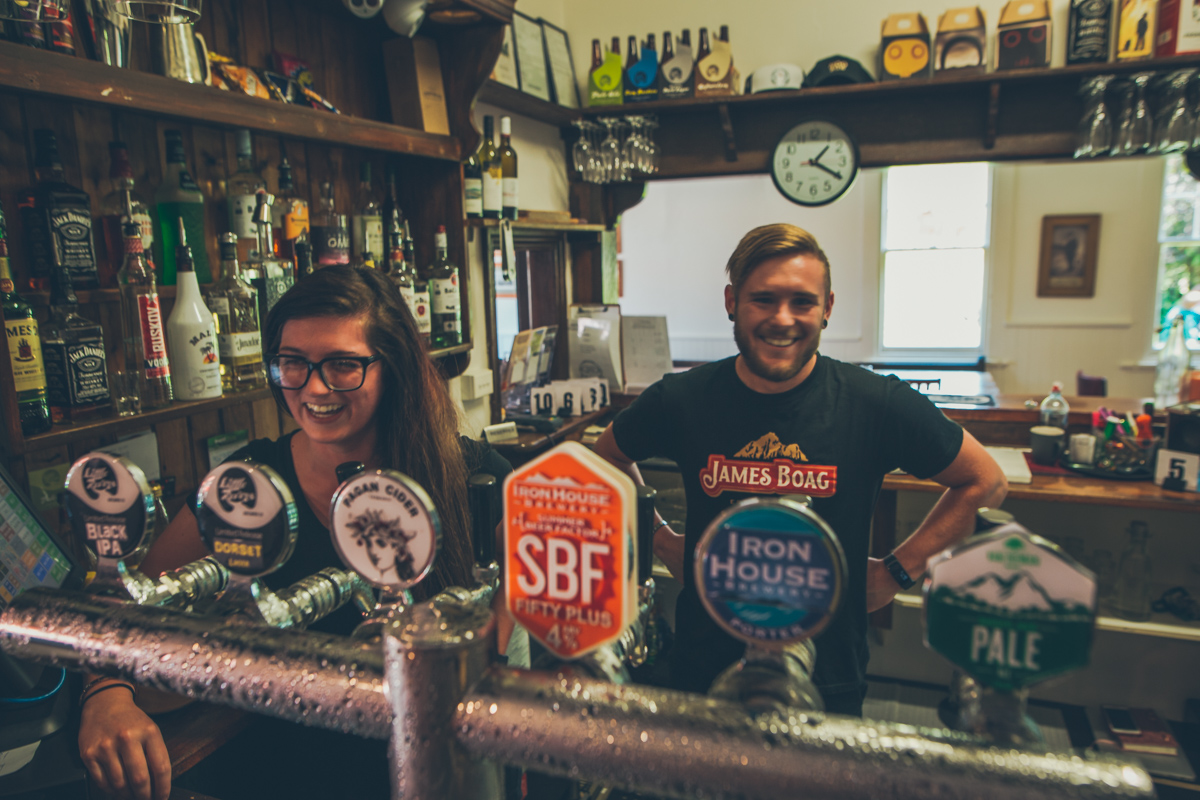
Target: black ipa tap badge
[[247, 518], [385, 527], [110, 504], [770, 572]]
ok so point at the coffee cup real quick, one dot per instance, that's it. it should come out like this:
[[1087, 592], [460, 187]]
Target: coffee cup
[[1083, 448], [1046, 443]]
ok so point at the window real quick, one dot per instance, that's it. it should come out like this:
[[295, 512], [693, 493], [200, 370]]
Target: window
[[935, 239], [1179, 255]]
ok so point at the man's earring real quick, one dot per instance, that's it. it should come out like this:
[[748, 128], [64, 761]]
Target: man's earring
[[731, 317], [824, 323]]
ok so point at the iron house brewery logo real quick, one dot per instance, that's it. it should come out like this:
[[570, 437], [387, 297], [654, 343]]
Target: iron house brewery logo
[[768, 466]]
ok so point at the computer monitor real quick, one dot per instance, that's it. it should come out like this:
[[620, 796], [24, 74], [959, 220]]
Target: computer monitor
[[30, 553]]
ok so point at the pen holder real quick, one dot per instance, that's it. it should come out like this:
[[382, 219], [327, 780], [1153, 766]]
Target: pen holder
[[1123, 455]]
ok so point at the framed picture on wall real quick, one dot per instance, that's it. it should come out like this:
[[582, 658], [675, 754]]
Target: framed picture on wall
[[562, 67], [505, 70], [1067, 267], [531, 56]]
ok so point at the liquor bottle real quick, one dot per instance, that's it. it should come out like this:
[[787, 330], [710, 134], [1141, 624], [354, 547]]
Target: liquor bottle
[[330, 236], [1054, 409], [421, 310], [368, 222], [76, 363], [1132, 596], [509, 194], [289, 215], [192, 334], [641, 78], [493, 171], [677, 73], [242, 195], [60, 32], [24, 352], [123, 204], [444, 296], [179, 198], [402, 275], [28, 31], [234, 303], [1089, 31], [58, 221], [142, 323], [271, 276], [472, 187], [631, 58]]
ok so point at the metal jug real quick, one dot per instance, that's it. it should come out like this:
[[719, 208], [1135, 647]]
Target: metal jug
[[173, 52]]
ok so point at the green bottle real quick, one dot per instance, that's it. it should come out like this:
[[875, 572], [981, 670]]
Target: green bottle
[[25, 353], [179, 198]]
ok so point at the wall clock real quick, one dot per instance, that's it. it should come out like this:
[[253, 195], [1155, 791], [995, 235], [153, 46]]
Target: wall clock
[[814, 163]]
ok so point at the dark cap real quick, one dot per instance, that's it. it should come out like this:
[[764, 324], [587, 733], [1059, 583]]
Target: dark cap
[[835, 71]]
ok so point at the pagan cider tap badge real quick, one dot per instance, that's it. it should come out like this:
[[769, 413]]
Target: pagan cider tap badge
[[570, 576], [385, 527], [1010, 609], [770, 571], [109, 503], [247, 518]]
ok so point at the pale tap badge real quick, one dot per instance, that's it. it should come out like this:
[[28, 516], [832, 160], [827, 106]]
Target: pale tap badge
[[110, 504], [1010, 609], [247, 518], [770, 572], [385, 527]]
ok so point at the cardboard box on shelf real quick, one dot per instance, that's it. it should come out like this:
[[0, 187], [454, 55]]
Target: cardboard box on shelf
[[1178, 29], [961, 42], [904, 47], [1023, 35]]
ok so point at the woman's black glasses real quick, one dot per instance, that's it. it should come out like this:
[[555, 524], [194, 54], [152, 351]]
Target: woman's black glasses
[[339, 373]]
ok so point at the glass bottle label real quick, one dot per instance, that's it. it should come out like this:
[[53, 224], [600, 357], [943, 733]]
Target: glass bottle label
[[473, 190], [80, 370], [71, 238], [220, 306], [421, 312], [291, 217], [493, 193], [369, 235], [330, 245], [509, 188], [444, 295], [241, 215], [241, 349], [25, 352], [154, 343]]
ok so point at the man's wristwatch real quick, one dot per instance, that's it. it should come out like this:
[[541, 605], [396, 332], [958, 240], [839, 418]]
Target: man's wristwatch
[[899, 573]]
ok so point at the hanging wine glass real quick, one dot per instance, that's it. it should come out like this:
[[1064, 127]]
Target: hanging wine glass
[[1095, 128], [161, 12], [581, 151], [1137, 126], [610, 152], [1174, 132]]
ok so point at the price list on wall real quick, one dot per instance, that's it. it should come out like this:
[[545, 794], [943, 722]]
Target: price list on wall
[[28, 556]]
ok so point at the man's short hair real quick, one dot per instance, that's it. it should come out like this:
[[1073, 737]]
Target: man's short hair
[[769, 241]]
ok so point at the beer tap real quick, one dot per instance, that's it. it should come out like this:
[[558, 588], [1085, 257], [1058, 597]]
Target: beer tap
[[771, 573], [247, 518], [115, 514], [481, 498], [634, 645], [1010, 610]]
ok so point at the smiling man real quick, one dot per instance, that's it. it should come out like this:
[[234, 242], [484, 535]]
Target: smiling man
[[779, 419]]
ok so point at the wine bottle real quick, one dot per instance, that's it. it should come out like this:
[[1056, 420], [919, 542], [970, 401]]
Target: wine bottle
[[508, 170], [492, 170]]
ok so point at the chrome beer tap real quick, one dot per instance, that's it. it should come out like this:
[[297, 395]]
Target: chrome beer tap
[[113, 512]]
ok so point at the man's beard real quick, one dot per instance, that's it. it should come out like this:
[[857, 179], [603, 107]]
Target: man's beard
[[781, 373]]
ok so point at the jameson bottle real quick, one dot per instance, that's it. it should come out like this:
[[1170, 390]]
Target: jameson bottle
[[24, 353], [492, 170], [58, 221], [142, 323], [444, 296], [192, 335], [367, 230], [289, 215], [509, 190], [234, 303], [330, 234], [179, 198], [242, 193], [122, 204], [677, 73], [76, 363]]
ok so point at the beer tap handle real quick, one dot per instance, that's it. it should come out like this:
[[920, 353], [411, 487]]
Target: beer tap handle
[[348, 469], [645, 517], [481, 495]]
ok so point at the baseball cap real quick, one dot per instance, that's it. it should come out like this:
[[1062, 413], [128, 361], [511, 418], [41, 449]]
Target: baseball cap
[[774, 77], [836, 70]]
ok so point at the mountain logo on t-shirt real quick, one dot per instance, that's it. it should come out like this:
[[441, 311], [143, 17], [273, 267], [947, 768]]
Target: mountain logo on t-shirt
[[768, 446]]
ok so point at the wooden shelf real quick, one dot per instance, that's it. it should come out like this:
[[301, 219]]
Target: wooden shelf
[[1162, 626], [451, 351], [1016, 114], [26, 69], [518, 102], [570, 227]]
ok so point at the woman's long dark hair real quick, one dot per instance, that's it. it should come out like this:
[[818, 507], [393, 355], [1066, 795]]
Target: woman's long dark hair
[[417, 421]]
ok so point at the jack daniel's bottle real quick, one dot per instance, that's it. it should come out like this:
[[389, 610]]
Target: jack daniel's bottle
[[58, 221], [76, 364]]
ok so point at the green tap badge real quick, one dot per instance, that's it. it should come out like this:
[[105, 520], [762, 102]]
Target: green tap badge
[[1010, 609]]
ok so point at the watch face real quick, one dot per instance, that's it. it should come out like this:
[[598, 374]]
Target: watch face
[[814, 163]]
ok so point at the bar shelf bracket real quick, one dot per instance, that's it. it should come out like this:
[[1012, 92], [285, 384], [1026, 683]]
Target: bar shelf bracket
[[731, 152]]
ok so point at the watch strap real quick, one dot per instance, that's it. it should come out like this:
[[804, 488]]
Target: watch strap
[[899, 573]]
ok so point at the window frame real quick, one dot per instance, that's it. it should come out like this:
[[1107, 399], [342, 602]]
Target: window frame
[[1158, 332]]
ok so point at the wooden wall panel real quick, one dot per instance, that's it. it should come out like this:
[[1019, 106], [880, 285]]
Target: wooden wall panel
[[266, 419], [200, 427], [175, 454]]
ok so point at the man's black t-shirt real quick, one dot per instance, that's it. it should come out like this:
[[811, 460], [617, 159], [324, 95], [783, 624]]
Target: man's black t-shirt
[[833, 438]]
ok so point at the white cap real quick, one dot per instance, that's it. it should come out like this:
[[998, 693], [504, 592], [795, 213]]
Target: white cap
[[506, 126]]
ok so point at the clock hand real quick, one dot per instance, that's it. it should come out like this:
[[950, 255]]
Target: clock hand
[[814, 161], [818, 165]]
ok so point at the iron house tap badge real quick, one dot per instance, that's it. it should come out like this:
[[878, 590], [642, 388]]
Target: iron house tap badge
[[385, 527], [109, 503], [247, 517], [770, 571], [1010, 609]]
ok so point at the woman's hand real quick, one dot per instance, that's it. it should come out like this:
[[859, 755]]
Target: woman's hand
[[122, 748]]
